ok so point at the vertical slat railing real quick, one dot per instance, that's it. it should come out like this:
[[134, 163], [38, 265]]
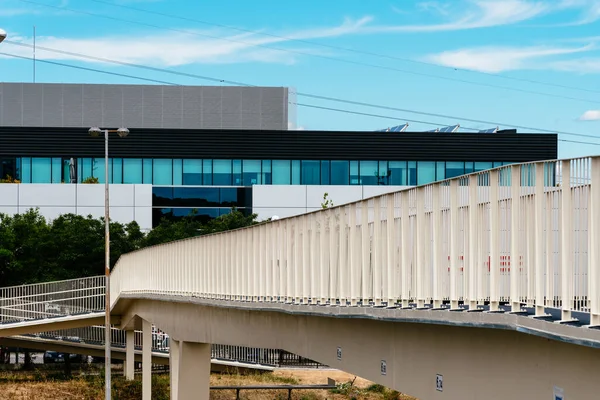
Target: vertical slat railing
[[594, 237], [566, 241], [539, 240], [509, 235]]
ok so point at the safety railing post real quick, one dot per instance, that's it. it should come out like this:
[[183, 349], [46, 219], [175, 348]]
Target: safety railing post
[[594, 240]]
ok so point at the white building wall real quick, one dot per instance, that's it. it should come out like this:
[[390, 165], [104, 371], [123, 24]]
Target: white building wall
[[289, 200], [127, 202]]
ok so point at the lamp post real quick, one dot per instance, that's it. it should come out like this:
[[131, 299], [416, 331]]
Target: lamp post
[[95, 132], [2, 35]]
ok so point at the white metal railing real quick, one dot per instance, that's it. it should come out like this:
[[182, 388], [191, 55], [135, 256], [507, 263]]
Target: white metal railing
[[52, 299], [522, 235], [94, 335]]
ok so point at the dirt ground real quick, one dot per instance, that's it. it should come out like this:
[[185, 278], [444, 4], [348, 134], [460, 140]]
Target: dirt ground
[[33, 386]]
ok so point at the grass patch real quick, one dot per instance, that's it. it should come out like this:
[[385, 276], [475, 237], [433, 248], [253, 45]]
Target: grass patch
[[54, 385]]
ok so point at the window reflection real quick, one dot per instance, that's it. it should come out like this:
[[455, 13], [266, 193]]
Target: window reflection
[[222, 172], [192, 172], [311, 172], [369, 173], [251, 171], [340, 172], [282, 172]]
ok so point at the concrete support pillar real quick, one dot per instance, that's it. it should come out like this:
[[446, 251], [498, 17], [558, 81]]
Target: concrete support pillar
[[191, 377], [146, 360], [129, 366], [174, 352]]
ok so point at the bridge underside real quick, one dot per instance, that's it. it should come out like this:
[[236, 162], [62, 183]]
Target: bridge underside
[[473, 362]]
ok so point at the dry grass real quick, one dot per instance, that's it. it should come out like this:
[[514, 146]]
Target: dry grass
[[28, 386]]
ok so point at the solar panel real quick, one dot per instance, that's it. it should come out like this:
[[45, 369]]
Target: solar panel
[[492, 130], [398, 128], [450, 129]]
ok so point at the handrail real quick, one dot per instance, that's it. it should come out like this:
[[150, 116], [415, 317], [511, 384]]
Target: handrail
[[444, 244]]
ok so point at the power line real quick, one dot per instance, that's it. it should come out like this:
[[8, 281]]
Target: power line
[[355, 51], [312, 55], [322, 98], [90, 69]]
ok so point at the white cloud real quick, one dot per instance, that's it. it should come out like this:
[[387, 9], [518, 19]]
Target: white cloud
[[183, 48], [579, 65], [499, 59], [590, 115], [473, 14]]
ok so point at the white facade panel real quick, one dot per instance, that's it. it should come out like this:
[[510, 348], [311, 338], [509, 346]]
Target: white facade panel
[[95, 212], [338, 194], [9, 195], [123, 215], [142, 196], [128, 202], [122, 195], [90, 195], [284, 196], [50, 213], [42, 195], [143, 216], [9, 210], [289, 200]]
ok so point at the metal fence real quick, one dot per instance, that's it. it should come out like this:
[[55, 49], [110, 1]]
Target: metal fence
[[52, 299], [94, 335]]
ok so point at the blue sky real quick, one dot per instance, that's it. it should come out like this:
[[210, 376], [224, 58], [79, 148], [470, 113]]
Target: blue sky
[[533, 63]]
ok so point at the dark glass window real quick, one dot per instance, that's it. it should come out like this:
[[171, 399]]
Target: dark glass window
[[454, 169], [384, 173], [398, 173], [295, 172], [41, 170], [236, 197], [26, 170], [8, 168], [192, 172], [147, 170], [440, 173], [237, 172], [163, 171], [162, 196], [57, 170], [177, 171], [311, 172], [469, 167], [132, 170], [117, 170], [426, 172], [369, 172], [207, 170], [195, 197], [251, 172], [222, 174], [266, 172], [480, 166], [412, 173], [340, 172], [354, 178], [282, 172], [325, 173]]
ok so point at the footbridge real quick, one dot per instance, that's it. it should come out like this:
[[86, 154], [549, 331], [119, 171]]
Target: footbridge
[[481, 286], [67, 317]]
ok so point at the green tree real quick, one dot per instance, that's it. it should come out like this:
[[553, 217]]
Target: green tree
[[72, 246], [23, 247]]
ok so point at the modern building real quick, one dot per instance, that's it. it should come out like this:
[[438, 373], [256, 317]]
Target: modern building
[[209, 149]]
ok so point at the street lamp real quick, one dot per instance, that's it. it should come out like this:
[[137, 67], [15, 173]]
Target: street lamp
[[95, 132], [2, 35]]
